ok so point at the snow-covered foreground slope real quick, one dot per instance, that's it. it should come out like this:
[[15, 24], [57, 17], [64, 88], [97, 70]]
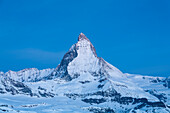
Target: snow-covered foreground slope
[[82, 82], [157, 86], [60, 104], [78, 96], [15, 104]]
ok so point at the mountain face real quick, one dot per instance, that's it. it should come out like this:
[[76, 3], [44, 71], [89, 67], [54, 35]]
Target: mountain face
[[81, 59], [83, 82]]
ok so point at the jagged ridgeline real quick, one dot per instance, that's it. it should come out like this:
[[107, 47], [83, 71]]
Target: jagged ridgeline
[[83, 82]]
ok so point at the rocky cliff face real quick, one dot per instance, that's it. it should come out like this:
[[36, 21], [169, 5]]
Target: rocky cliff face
[[10, 86]]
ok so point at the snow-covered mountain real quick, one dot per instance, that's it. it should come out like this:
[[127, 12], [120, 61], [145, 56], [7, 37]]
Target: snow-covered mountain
[[28, 75], [83, 82]]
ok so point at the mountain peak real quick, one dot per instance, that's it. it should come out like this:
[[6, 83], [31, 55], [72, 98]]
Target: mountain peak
[[84, 45], [81, 59], [82, 37]]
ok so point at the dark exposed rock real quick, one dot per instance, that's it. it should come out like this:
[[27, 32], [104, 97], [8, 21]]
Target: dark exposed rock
[[94, 101], [167, 82], [156, 104], [140, 100], [143, 101], [161, 96], [15, 87], [22, 88], [17, 84], [101, 80], [26, 90], [84, 82], [107, 93], [12, 90], [2, 91], [101, 110], [42, 88], [49, 94], [94, 74], [75, 76], [123, 100], [61, 70], [4, 110], [100, 86], [154, 81], [3, 105]]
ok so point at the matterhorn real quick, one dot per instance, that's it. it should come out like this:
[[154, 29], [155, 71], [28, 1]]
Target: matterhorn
[[82, 83]]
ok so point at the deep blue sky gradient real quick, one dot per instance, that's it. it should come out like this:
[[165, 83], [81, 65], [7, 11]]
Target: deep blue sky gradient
[[133, 35]]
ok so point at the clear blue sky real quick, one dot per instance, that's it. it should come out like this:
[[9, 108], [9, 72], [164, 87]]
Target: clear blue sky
[[133, 35]]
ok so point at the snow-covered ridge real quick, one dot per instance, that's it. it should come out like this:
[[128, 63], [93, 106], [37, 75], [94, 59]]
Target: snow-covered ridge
[[27, 75], [1, 73]]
